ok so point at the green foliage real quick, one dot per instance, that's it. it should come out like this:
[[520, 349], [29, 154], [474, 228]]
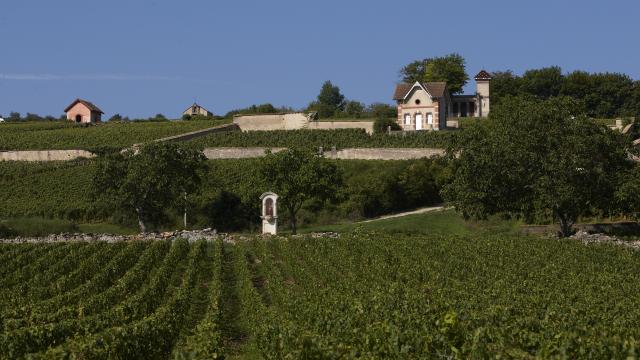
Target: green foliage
[[297, 176], [449, 68], [258, 109], [312, 139], [604, 95], [330, 101], [148, 182], [382, 125], [66, 135], [378, 295], [628, 194], [536, 159]]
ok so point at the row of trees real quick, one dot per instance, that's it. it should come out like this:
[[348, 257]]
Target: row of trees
[[603, 95], [16, 116], [160, 176]]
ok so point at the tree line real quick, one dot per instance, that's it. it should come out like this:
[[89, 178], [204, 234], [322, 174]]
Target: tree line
[[601, 95]]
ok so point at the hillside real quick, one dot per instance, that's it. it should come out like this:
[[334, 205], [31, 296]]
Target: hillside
[[63, 135], [363, 294]]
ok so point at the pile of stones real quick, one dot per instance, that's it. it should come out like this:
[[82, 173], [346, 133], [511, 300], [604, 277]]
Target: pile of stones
[[191, 235], [587, 238]]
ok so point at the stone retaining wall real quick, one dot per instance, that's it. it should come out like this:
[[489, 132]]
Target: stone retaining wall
[[345, 154], [44, 155], [332, 125]]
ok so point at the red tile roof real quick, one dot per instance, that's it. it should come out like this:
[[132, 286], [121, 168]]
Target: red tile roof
[[483, 75], [85, 103]]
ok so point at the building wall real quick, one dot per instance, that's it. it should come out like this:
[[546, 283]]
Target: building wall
[[82, 110], [484, 98], [427, 105]]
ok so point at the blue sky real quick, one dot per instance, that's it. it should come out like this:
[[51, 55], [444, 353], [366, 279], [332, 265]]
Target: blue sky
[[142, 57]]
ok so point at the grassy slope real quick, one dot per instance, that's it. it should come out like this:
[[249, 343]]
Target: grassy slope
[[446, 222], [63, 135]]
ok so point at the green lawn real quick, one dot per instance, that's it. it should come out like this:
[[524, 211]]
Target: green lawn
[[446, 222]]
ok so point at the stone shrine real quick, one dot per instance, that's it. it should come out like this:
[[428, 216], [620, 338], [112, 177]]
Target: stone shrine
[[269, 213]]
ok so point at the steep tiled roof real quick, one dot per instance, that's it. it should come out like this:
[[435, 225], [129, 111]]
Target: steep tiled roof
[[483, 75], [436, 89], [401, 91], [85, 103]]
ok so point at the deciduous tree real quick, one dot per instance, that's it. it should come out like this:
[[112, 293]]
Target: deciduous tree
[[534, 158], [297, 176], [148, 182], [449, 68]]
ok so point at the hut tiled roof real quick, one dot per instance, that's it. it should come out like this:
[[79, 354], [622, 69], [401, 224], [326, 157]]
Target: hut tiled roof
[[436, 89], [85, 103], [483, 75], [401, 91]]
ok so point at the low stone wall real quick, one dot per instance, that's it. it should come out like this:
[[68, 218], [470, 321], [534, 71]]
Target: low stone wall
[[267, 122], [332, 125], [384, 154], [237, 153], [44, 155], [190, 235], [345, 154]]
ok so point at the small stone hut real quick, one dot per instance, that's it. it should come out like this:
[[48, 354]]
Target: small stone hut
[[82, 111]]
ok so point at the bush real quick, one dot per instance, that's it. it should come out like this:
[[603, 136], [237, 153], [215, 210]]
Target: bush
[[381, 125]]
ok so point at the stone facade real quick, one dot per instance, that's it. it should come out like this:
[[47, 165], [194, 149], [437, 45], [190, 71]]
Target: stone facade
[[428, 106]]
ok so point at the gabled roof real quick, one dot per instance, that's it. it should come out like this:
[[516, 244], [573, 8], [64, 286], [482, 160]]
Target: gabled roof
[[435, 89], [483, 75], [401, 90], [195, 104], [85, 103]]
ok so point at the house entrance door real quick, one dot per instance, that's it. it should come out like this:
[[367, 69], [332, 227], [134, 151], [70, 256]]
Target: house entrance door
[[418, 121]]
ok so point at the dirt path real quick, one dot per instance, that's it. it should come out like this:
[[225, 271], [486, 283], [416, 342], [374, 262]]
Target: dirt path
[[414, 212]]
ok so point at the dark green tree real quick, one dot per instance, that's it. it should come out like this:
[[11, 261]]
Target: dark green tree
[[628, 193], [116, 117], [329, 102], [382, 111], [504, 84], [449, 68], [148, 182], [536, 158], [354, 109], [543, 83], [297, 176]]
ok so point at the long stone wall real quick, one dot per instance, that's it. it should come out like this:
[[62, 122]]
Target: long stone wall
[[345, 154], [237, 153], [44, 155]]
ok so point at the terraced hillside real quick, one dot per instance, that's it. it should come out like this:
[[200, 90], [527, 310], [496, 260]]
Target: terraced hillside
[[365, 295], [56, 135]]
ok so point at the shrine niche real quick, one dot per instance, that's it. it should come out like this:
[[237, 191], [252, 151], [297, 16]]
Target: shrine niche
[[269, 214]]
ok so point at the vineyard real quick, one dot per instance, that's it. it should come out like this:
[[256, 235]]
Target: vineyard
[[64, 135], [366, 295], [312, 139]]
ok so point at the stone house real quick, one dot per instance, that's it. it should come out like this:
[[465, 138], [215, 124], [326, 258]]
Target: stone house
[[82, 111], [195, 110], [427, 106]]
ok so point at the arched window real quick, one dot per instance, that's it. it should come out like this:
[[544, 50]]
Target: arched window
[[268, 207]]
